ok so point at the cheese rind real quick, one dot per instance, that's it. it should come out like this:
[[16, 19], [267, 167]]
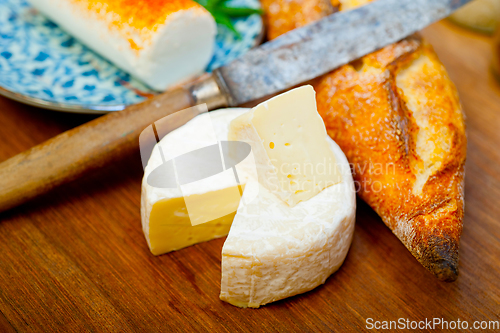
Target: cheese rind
[[166, 222], [159, 42], [289, 142], [274, 251]]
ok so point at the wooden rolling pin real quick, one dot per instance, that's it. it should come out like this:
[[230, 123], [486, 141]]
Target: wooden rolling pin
[[102, 140]]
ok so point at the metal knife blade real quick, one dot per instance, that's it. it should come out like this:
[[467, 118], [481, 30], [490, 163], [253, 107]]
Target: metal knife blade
[[298, 56], [315, 49]]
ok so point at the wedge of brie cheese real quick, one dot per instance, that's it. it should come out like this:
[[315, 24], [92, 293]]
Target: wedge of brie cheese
[[171, 216], [159, 42], [290, 144], [274, 251], [280, 243]]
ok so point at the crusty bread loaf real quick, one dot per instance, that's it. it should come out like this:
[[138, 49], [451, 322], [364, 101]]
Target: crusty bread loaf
[[281, 16], [397, 117], [277, 14]]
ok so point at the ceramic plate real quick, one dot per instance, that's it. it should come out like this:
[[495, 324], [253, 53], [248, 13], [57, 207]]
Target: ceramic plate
[[42, 65]]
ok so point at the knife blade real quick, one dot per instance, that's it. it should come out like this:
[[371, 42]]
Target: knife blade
[[317, 48], [295, 57]]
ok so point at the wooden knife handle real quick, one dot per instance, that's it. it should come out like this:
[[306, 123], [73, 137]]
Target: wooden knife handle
[[89, 146]]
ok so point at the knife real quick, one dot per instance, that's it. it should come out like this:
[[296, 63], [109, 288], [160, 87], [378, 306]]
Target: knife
[[292, 58]]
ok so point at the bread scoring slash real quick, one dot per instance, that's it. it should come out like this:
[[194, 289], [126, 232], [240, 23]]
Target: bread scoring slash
[[397, 117], [161, 42], [399, 121]]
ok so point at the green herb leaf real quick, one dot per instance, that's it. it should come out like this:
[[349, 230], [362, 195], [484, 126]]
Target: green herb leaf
[[225, 20], [223, 13], [239, 11], [214, 3], [202, 2]]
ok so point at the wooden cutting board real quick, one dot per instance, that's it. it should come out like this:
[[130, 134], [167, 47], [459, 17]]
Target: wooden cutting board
[[76, 259]]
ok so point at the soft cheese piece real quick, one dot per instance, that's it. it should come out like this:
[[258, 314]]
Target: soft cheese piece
[[289, 141], [166, 221], [274, 251], [159, 42]]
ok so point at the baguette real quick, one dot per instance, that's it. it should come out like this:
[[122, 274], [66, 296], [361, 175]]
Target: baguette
[[397, 117], [278, 14]]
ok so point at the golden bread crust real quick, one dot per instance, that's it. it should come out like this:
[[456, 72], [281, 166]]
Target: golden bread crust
[[397, 117], [277, 14], [366, 112]]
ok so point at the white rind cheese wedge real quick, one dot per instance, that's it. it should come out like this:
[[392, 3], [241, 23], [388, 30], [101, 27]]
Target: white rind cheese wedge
[[274, 251], [159, 42], [290, 145], [166, 222]]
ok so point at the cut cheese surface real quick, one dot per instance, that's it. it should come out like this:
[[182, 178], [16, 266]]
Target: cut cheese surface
[[170, 227], [160, 42], [173, 218], [274, 251], [290, 144]]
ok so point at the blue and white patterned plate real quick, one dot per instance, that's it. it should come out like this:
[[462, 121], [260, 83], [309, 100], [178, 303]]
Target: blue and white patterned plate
[[42, 65]]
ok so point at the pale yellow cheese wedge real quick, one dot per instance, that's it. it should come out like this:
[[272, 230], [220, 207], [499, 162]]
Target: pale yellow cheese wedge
[[167, 222], [290, 145], [170, 228]]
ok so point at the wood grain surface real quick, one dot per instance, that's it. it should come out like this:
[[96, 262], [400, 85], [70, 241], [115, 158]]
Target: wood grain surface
[[76, 260]]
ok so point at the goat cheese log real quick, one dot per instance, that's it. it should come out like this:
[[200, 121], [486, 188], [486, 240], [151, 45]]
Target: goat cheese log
[[397, 117], [161, 42]]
